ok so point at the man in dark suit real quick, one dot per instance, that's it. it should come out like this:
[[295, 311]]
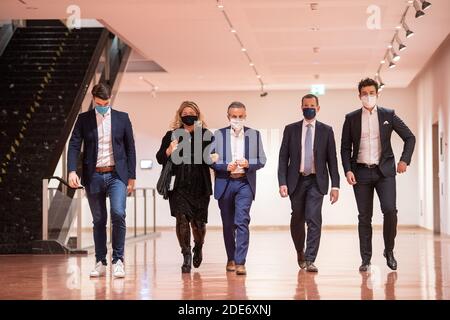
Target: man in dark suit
[[239, 154], [369, 166], [307, 155], [109, 169]]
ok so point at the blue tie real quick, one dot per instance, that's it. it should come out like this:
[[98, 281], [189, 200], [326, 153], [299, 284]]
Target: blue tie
[[308, 151]]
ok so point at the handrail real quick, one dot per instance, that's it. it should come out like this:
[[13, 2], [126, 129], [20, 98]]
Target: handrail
[[64, 182], [143, 190]]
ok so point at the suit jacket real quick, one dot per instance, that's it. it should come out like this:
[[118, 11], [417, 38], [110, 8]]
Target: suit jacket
[[124, 151], [388, 121], [254, 153], [325, 161]]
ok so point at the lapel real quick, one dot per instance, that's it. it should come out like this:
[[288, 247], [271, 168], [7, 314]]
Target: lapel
[[246, 145], [227, 145], [93, 127], [298, 135], [381, 119], [317, 137], [357, 126]]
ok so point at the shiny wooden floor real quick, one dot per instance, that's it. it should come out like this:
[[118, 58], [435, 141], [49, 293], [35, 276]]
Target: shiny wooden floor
[[153, 271]]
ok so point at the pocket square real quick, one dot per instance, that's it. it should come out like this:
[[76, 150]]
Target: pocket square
[[385, 123]]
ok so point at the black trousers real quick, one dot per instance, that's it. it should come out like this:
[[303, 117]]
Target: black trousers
[[370, 180], [306, 204]]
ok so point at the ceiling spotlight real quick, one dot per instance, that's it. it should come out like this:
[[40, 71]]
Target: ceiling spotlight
[[395, 56], [380, 82], [419, 12], [233, 30], [220, 6], [243, 49], [390, 59], [401, 45], [425, 4], [258, 76], [409, 33], [251, 64], [383, 61]]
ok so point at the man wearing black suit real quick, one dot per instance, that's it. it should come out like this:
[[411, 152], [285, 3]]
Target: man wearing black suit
[[369, 166], [307, 155]]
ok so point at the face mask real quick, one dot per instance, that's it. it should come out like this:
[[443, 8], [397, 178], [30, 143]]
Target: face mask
[[309, 113], [102, 109], [189, 120], [237, 124], [369, 101]]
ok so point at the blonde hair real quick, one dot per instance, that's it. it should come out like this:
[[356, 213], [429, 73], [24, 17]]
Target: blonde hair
[[177, 123]]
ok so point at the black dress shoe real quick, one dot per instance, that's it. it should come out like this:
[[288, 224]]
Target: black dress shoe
[[364, 267], [390, 259], [187, 263], [301, 260], [198, 256]]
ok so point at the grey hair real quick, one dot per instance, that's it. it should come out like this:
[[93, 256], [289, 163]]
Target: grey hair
[[237, 105]]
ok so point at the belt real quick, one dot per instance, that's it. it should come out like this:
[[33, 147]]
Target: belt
[[104, 169], [307, 175], [365, 165], [237, 175]]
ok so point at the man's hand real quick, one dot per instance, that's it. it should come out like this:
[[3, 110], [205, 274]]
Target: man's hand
[[401, 167], [350, 178], [243, 163], [232, 166], [334, 196], [74, 180], [130, 187], [284, 191]]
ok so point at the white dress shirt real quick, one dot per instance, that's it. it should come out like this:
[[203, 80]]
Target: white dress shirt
[[237, 148], [313, 133], [370, 144], [105, 157]]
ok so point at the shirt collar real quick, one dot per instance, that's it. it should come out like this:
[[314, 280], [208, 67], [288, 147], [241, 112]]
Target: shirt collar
[[313, 123], [375, 109], [106, 114], [240, 134]]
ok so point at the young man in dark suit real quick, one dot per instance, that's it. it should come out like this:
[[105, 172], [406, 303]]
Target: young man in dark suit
[[109, 169], [307, 156], [369, 166]]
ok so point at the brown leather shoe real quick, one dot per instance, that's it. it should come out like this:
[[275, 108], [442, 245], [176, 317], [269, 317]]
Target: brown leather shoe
[[301, 260], [240, 270], [231, 266]]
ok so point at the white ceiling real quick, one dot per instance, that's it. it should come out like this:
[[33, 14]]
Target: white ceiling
[[191, 40]]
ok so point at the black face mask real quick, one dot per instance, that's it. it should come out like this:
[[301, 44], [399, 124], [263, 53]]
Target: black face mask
[[309, 113], [189, 120]]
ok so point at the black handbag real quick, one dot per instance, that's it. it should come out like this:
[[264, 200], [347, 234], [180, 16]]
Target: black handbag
[[163, 185]]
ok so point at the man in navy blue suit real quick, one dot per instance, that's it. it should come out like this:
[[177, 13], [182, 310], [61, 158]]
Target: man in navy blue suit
[[240, 153], [109, 170]]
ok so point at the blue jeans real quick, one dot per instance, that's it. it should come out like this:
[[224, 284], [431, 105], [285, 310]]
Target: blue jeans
[[101, 186], [235, 205]]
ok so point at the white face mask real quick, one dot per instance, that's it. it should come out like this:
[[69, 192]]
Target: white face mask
[[369, 101], [237, 124]]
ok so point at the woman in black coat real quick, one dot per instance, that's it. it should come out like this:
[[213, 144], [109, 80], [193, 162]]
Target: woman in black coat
[[189, 198]]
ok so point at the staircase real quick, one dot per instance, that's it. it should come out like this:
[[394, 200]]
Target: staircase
[[45, 70]]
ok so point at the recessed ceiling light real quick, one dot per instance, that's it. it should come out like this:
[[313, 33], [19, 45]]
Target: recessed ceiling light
[[243, 49]]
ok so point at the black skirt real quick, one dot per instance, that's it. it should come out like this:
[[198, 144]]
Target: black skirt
[[191, 193]]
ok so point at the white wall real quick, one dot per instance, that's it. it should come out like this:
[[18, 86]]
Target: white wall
[[433, 101], [151, 117]]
